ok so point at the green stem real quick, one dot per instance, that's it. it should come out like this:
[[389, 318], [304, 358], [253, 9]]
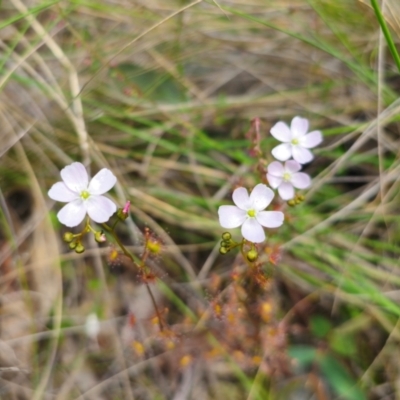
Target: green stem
[[386, 33], [115, 223]]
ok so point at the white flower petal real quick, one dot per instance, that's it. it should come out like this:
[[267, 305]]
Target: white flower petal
[[241, 198], [299, 127], [292, 166], [302, 155], [276, 168], [260, 197], [73, 213], [311, 140], [300, 180], [286, 191], [75, 177], [60, 192], [282, 152], [100, 208], [253, 231], [92, 326], [102, 182], [274, 181], [281, 132], [231, 216], [270, 219]]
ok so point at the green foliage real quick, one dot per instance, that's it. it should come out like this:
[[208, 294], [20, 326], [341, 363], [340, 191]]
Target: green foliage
[[331, 370], [339, 379], [320, 326], [168, 113], [344, 344]]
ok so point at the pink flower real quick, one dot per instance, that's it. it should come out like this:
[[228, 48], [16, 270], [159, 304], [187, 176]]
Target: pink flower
[[296, 140], [286, 178], [248, 213]]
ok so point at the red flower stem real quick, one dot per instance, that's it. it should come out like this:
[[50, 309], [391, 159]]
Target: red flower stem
[[140, 264]]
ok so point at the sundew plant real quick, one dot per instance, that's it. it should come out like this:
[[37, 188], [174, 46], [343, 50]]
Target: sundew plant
[[199, 200]]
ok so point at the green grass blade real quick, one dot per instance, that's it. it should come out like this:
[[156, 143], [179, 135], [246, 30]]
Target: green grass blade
[[386, 33]]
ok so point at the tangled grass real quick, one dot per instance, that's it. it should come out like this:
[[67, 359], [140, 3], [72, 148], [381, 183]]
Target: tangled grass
[[162, 93]]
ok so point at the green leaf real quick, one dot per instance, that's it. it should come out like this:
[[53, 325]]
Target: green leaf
[[343, 344], [33, 10], [304, 355], [320, 326], [339, 379]]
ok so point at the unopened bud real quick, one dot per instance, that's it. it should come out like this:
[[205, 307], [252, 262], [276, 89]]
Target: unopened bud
[[291, 203], [79, 248], [225, 243], [127, 207], [68, 237], [121, 215], [297, 201], [226, 236], [100, 237], [223, 250], [301, 197], [252, 255], [72, 245]]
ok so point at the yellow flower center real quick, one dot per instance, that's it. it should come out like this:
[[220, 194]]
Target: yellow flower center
[[286, 177], [251, 213], [85, 194], [295, 141]]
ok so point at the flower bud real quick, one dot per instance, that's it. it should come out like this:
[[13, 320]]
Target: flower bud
[[79, 248], [121, 215], [226, 236], [68, 237], [223, 250], [291, 203], [252, 255], [127, 207], [72, 245], [100, 237], [301, 197], [225, 243]]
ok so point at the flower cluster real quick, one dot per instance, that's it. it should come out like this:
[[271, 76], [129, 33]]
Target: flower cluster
[[296, 143], [248, 211], [84, 197]]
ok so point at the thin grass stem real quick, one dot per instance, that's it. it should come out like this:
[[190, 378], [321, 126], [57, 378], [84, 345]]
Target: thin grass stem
[[386, 33]]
